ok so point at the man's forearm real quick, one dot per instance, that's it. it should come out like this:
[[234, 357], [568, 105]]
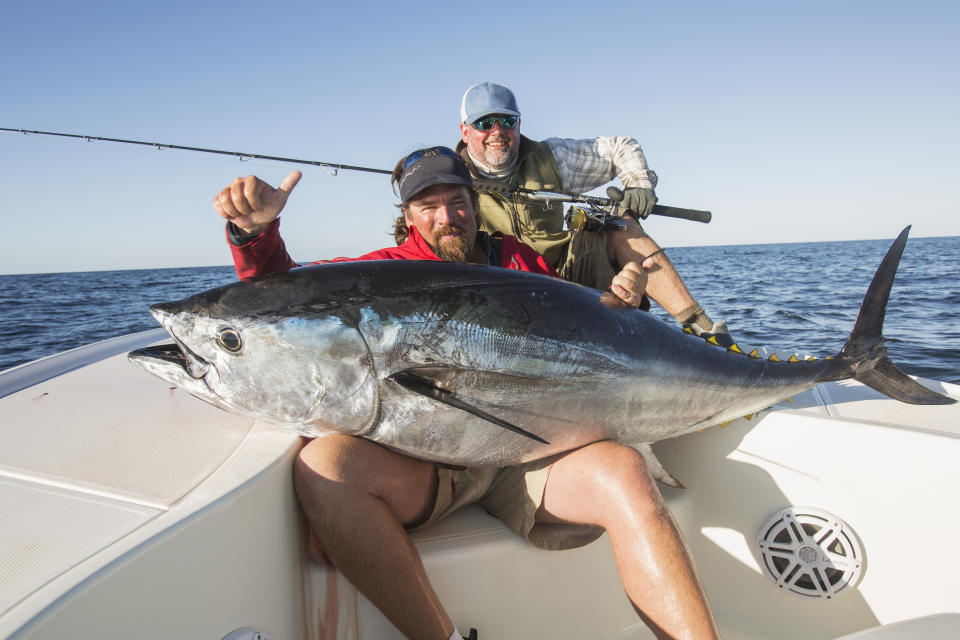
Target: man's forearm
[[259, 255], [588, 164]]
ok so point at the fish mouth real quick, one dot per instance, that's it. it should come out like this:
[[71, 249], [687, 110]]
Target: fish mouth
[[166, 352], [177, 355], [174, 355], [173, 363], [170, 353]]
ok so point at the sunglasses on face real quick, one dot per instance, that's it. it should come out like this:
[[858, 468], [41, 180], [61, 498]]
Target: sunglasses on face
[[425, 153], [485, 124]]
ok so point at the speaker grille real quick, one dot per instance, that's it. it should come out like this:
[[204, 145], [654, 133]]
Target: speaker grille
[[810, 552]]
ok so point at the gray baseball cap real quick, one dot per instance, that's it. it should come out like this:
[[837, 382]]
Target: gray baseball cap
[[485, 99]]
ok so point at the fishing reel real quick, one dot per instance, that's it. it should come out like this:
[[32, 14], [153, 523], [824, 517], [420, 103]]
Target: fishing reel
[[597, 214], [583, 219]]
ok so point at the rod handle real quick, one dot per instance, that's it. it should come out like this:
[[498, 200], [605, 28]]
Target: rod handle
[[678, 212]]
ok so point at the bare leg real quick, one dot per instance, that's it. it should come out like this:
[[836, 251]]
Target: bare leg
[[664, 284], [358, 496], [608, 484]]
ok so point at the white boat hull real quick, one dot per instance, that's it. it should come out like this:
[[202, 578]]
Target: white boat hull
[[131, 510]]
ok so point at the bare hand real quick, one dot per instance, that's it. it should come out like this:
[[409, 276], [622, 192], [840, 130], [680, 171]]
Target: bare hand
[[251, 204], [630, 283]]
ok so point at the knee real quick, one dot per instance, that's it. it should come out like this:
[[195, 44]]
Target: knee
[[633, 231], [335, 472], [630, 243], [325, 477], [324, 457], [623, 481], [323, 468]]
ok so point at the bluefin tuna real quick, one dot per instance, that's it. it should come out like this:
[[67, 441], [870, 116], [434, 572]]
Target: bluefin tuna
[[482, 366]]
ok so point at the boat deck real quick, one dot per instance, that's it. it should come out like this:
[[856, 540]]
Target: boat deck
[[131, 509]]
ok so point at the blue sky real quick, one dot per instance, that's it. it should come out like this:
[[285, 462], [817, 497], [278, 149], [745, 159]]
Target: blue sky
[[800, 121]]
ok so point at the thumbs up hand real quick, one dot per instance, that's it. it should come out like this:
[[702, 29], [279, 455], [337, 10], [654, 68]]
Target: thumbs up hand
[[251, 204]]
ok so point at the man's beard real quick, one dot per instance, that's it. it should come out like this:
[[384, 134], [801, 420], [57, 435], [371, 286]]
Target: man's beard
[[498, 158], [452, 245]]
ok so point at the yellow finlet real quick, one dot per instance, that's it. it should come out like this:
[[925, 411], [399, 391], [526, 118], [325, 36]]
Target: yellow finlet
[[735, 348], [754, 354], [774, 358]]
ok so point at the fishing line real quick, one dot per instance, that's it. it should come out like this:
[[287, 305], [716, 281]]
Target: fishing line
[[331, 166]]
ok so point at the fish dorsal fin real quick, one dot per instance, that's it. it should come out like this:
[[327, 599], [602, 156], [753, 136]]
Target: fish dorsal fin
[[426, 387]]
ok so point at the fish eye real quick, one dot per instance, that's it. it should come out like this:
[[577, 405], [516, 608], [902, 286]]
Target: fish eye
[[230, 340]]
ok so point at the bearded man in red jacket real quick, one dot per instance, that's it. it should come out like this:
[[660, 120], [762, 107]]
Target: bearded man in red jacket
[[438, 223], [361, 498]]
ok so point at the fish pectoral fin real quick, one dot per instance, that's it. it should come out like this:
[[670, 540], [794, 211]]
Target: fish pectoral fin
[[426, 387], [659, 473]]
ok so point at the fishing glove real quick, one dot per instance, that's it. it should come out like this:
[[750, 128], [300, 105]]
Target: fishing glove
[[638, 202], [716, 334], [696, 321]]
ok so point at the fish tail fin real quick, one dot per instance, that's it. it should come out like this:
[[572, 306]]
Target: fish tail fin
[[890, 381], [864, 357]]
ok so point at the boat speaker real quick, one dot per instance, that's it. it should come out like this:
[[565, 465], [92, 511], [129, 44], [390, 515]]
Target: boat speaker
[[810, 552]]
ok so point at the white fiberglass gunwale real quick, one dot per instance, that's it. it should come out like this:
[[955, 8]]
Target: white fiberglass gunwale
[[130, 509]]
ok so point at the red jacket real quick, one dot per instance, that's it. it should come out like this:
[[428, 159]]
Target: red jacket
[[267, 254]]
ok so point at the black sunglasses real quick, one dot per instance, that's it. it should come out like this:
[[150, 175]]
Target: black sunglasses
[[485, 124], [426, 153]]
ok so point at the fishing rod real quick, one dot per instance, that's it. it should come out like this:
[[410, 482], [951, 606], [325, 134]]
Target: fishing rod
[[599, 213], [238, 154]]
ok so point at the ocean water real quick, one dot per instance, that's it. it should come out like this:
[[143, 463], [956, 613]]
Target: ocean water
[[43, 314], [799, 297]]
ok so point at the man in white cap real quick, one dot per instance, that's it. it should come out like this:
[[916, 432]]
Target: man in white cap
[[493, 148]]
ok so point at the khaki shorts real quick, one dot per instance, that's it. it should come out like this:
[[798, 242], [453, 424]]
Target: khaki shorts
[[511, 494], [586, 261]]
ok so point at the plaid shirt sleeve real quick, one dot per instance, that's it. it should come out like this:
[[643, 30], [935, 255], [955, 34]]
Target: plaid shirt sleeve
[[588, 164]]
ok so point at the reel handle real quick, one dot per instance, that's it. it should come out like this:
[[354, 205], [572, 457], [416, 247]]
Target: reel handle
[[615, 194]]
